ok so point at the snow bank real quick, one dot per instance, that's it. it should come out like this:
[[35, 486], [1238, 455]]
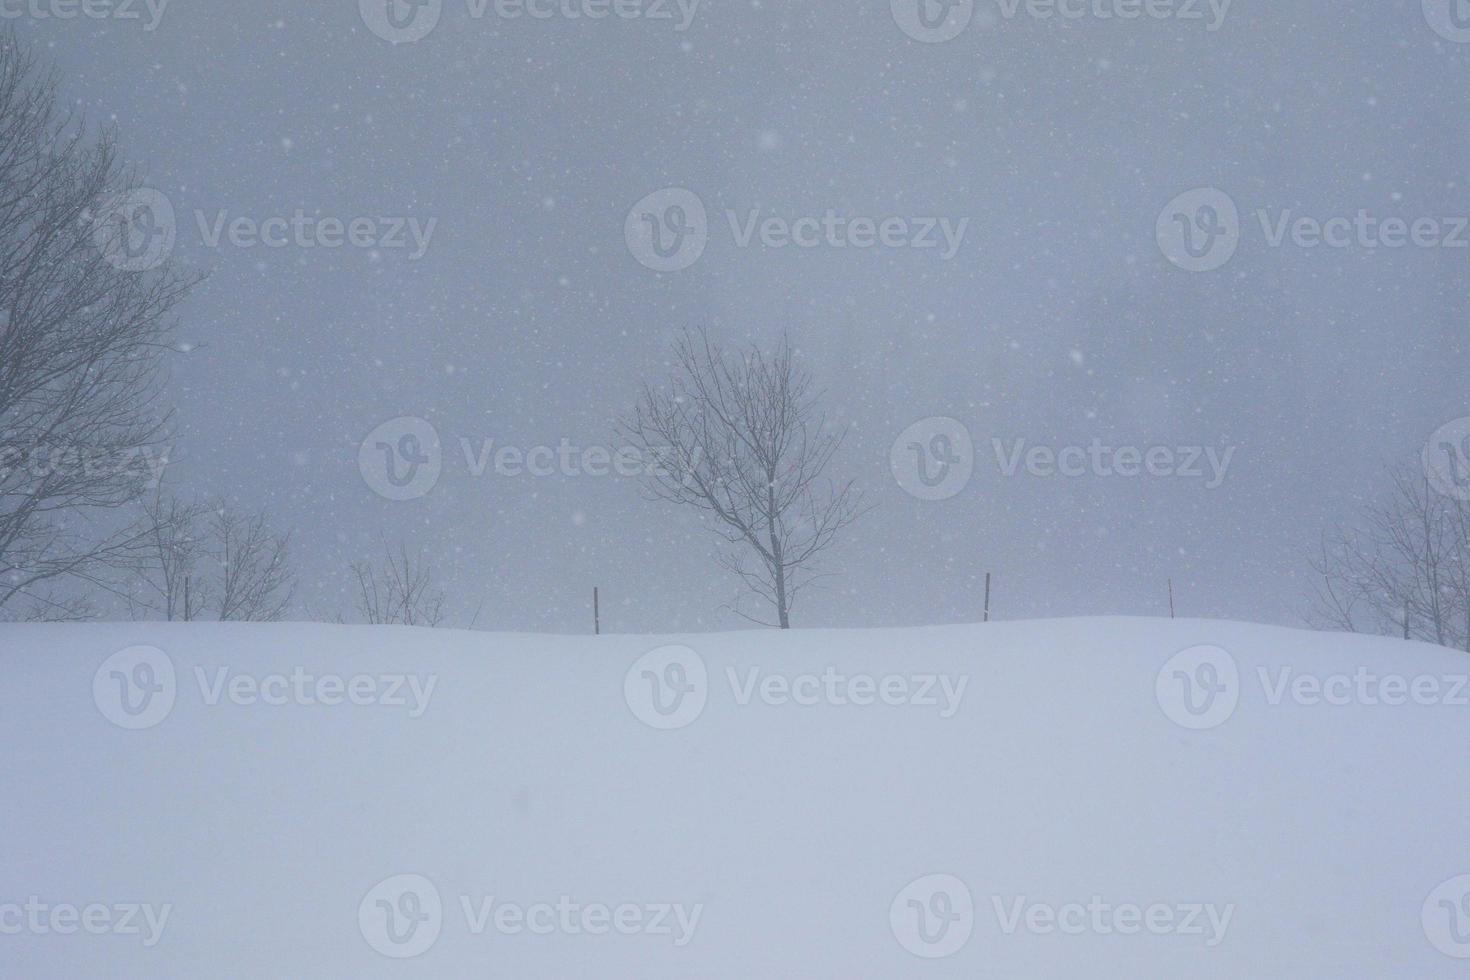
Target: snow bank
[[1100, 798]]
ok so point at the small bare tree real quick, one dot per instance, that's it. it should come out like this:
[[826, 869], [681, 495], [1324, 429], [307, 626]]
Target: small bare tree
[[252, 562], [1405, 572], [81, 342], [739, 438], [401, 591]]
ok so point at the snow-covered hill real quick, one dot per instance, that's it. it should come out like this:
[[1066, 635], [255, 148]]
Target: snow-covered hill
[[1079, 798]]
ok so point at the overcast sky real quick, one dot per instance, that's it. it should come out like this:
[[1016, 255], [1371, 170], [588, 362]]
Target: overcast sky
[[1050, 148]]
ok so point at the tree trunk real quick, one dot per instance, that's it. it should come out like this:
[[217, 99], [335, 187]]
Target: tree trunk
[[779, 560]]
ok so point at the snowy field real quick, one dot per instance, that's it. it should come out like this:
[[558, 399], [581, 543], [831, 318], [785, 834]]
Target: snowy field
[[1076, 798]]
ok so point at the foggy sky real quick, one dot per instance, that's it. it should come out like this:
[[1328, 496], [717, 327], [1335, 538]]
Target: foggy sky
[[1058, 321]]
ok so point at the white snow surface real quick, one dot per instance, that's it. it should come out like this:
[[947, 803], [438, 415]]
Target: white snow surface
[[828, 839]]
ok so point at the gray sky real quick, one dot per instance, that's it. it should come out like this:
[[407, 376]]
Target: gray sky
[[1058, 320]]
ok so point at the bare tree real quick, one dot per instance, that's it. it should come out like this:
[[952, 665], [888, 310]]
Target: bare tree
[[1405, 572], [81, 343], [739, 439], [167, 573], [401, 591], [255, 582]]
